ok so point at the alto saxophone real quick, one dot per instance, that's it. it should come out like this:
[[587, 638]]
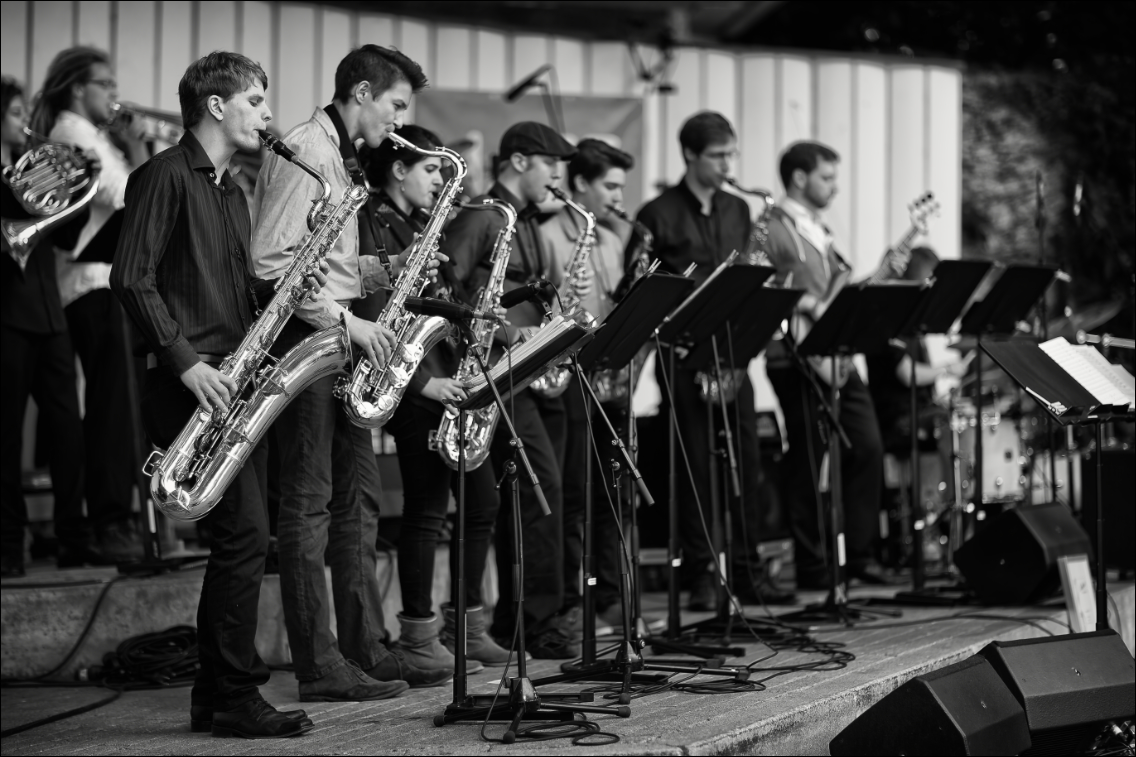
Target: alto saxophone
[[608, 385], [555, 380], [709, 387], [372, 394], [188, 479], [479, 424]]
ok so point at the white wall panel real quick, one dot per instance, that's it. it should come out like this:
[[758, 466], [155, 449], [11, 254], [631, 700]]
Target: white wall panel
[[257, 42], [377, 30], [455, 59], [417, 42], [834, 128], [794, 100], [335, 42], [216, 28], [721, 85], [136, 57], [944, 171], [530, 52], [907, 142], [174, 52], [679, 106], [757, 128], [51, 32], [570, 62], [298, 86], [14, 51], [651, 162], [94, 23], [491, 62], [609, 71], [870, 158]]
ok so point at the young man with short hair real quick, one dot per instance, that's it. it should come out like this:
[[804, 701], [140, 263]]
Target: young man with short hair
[[182, 273], [329, 479]]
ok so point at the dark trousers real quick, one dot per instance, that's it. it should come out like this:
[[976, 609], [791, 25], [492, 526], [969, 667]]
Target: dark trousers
[[426, 486], [694, 418], [231, 670], [329, 514], [543, 535], [860, 468], [98, 333], [605, 535], [42, 366]]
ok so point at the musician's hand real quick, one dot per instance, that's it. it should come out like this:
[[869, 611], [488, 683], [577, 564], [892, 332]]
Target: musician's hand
[[445, 390], [585, 284], [502, 313], [434, 263], [212, 388], [318, 278], [400, 261], [377, 341]]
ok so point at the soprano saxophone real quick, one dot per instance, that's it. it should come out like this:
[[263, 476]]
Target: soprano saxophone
[[479, 424], [555, 380], [372, 393], [188, 479]]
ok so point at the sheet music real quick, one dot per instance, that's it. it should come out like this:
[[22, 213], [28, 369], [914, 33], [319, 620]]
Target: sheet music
[[1121, 379], [1103, 386], [520, 352]]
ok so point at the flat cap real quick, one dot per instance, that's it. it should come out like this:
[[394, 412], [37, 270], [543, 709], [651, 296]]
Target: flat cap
[[533, 138]]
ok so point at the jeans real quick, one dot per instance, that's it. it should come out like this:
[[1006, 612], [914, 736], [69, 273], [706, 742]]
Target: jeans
[[426, 486], [543, 563], [231, 670], [860, 469], [329, 511], [605, 545], [43, 366]]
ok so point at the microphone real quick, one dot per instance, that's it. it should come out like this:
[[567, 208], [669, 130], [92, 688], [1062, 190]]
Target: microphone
[[525, 85], [276, 145], [447, 310], [525, 293]]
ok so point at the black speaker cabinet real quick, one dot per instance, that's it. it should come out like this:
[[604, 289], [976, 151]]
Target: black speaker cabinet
[[1069, 686], [963, 708], [1014, 560], [1119, 487]]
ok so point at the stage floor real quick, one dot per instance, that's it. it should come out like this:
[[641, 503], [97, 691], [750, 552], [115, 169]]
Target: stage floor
[[798, 712]]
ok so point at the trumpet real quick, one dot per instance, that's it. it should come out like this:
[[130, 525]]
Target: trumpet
[[52, 182], [157, 125]]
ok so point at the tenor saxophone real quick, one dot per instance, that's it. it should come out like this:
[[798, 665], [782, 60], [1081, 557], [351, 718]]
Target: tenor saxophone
[[479, 424], [188, 479], [555, 380], [372, 393]]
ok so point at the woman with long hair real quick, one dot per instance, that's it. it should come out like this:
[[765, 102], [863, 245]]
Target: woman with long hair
[[408, 187]]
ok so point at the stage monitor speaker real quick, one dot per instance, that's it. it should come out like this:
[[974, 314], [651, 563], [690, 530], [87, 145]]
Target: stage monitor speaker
[[1069, 686], [1014, 560], [963, 708]]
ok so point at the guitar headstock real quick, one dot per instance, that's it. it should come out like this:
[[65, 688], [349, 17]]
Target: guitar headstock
[[921, 209]]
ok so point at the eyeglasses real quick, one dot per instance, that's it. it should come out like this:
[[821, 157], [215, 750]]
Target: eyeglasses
[[721, 155], [104, 83]]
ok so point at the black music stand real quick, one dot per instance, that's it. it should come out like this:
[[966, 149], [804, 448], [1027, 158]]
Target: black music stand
[[1067, 402], [747, 331], [523, 701], [951, 287], [861, 320]]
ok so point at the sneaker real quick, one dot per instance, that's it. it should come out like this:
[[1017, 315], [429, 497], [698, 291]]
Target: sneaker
[[552, 644], [348, 683]]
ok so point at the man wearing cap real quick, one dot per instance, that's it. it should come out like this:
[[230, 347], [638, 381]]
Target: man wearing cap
[[528, 161]]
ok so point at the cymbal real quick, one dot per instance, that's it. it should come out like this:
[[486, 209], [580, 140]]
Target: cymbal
[[1084, 319]]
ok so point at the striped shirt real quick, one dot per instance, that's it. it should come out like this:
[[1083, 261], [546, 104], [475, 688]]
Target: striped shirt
[[182, 266]]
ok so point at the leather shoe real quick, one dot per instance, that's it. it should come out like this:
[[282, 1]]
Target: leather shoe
[[201, 718], [12, 567], [869, 575], [395, 667], [257, 719], [348, 683], [764, 592], [78, 555]]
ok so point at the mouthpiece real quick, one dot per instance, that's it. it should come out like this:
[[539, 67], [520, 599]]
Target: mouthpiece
[[276, 145]]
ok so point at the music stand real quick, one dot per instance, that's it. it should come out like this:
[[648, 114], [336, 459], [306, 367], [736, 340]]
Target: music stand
[[748, 330], [1068, 402], [861, 320], [951, 287]]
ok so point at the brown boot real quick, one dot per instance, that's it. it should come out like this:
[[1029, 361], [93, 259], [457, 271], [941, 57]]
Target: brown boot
[[479, 646]]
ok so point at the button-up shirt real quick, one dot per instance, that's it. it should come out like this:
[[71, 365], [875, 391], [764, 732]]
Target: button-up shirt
[[283, 197], [182, 268], [561, 232], [685, 235], [469, 242], [76, 279], [802, 246]]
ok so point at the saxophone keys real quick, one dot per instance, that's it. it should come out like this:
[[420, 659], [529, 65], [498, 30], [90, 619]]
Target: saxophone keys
[[399, 376]]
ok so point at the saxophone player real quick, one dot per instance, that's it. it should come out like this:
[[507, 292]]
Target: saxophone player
[[409, 185], [182, 273], [597, 175], [329, 480], [528, 161]]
